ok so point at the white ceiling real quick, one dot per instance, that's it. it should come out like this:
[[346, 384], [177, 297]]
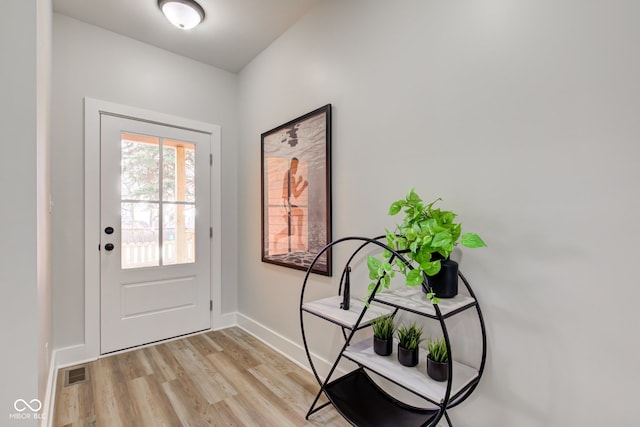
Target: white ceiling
[[232, 34]]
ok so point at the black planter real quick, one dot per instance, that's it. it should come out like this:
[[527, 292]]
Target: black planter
[[382, 347], [445, 283], [439, 371], [407, 357]]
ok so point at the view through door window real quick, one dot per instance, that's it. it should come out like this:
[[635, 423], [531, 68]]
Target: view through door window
[[157, 205]]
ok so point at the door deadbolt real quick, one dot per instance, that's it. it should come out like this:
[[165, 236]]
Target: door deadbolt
[[108, 230]]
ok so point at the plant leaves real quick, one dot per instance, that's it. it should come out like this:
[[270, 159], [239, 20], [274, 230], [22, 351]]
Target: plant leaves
[[410, 336], [383, 327], [413, 197], [431, 267], [373, 263], [423, 255], [455, 232], [411, 234], [438, 350], [447, 217], [442, 239], [414, 277], [375, 267], [472, 240], [430, 205], [386, 281], [371, 287], [395, 207]]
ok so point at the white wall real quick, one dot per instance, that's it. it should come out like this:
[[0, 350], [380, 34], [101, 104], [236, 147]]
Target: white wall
[[523, 116], [43, 191], [91, 62], [25, 318]]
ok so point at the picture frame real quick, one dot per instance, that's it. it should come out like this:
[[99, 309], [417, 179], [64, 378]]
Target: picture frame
[[296, 192]]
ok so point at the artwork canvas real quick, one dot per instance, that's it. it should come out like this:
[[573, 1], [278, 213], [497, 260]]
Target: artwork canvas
[[296, 192]]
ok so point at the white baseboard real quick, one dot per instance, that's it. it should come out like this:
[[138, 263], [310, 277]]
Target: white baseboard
[[225, 320], [73, 355], [60, 358], [283, 345], [50, 393]]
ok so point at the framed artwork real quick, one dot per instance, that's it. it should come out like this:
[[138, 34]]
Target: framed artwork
[[296, 192]]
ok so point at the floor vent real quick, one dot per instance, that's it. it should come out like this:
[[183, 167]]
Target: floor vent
[[76, 375]]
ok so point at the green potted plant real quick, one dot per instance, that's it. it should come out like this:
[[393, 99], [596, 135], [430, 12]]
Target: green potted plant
[[409, 339], [426, 236], [383, 329], [438, 359]]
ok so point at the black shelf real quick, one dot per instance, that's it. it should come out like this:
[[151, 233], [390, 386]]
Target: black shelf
[[363, 404], [355, 395]]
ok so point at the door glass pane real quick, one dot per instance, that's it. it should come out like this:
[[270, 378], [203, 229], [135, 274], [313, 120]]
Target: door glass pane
[[140, 160], [178, 182], [190, 173], [140, 242], [168, 173], [178, 245], [151, 166]]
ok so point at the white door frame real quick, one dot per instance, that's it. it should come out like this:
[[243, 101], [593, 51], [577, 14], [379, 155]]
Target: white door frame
[[92, 110]]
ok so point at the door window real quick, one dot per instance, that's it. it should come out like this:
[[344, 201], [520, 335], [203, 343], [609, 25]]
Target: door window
[[158, 197]]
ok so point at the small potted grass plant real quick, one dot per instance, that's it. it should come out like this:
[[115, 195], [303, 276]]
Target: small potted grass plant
[[383, 329], [409, 339], [438, 359]]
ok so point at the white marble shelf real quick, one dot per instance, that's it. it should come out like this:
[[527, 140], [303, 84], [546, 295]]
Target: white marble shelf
[[414, 299], [414, 378], [329, 308]]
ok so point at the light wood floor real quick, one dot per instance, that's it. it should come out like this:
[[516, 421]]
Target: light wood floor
[[221, 378]]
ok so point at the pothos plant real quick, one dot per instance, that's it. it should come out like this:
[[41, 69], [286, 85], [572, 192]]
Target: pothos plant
[[424, 230]]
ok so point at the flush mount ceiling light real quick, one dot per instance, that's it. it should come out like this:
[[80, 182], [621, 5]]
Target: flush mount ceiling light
[[184, 14]]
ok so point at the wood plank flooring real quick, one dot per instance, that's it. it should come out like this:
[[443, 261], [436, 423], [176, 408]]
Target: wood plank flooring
[[220, 378]]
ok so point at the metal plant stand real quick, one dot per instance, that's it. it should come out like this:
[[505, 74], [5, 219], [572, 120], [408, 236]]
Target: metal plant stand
[[355, 395]]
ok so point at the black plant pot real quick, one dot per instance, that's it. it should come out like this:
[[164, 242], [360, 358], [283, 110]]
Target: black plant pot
[[445, 283], [439, 371], [382, 347], [407, 357]]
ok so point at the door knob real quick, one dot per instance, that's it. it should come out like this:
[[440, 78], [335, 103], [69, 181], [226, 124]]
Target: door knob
[[109, 247]]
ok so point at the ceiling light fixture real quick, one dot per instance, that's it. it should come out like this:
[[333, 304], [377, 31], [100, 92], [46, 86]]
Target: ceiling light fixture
[[184, 14]]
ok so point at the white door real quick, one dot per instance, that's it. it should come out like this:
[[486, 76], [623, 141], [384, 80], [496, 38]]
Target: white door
[[155, 232]]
